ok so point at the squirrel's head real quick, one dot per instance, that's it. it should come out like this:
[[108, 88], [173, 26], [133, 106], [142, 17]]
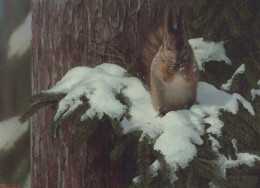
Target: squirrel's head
[[175, 45]]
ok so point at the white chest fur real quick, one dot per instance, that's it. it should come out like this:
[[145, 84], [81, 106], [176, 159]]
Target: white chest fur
[[178, 91]]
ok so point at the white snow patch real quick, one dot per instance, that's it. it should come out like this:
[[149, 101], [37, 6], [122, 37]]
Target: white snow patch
[[227, 85], [242, 158], [212, 185], [224, 162], [215, 144], [154, 168], [99, 85], [208, 51], [255, 92], [136, 180], [20, 39], [245, 103], [177, 133], [10, 131]]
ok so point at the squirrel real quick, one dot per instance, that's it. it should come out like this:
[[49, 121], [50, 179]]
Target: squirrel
[[174, 71]]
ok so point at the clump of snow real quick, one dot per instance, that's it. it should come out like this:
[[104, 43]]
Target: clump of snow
[[242, 158], [255, 92], [212, 185], [155, 167], [245, 103], [177, 133], [20, 39], [99, 85], [208, 51], [10, 131], [224, 162], [136, 180], [227, 85]]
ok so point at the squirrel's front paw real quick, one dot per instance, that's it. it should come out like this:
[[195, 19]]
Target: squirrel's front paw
[[172, 68], [161, 114]]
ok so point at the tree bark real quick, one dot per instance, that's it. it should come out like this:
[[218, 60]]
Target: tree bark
[[69, 33]]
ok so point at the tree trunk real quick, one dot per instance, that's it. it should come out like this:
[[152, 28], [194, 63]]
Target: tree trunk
[[69, 33]]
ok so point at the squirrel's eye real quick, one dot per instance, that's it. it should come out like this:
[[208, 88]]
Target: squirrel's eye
[[168, 48]]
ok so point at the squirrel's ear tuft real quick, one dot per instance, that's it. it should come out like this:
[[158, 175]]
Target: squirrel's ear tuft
[[173, 20], [169, 26]]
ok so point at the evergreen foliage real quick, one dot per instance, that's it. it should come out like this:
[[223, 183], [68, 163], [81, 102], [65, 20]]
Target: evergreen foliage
[[40, 101], [146, 155], [144, 162], [237, 23]]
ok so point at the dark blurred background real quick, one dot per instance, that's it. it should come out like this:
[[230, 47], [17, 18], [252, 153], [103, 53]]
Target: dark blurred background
[[15, 90]]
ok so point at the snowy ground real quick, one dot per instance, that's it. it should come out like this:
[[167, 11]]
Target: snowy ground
[[178, 132]]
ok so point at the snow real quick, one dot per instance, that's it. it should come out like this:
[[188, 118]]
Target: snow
[[10, 131], [136, 180], [177, 133], [208, 51], [227, 85], [20, 39], [99, 85], [255, 92], [242, 158], [154, 168], [212, 185], [224, 162]]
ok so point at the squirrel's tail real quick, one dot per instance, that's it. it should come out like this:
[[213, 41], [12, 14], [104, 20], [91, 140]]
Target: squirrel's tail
[[150, 46]]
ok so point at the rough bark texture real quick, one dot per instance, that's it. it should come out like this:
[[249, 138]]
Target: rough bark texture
[[68, 33]]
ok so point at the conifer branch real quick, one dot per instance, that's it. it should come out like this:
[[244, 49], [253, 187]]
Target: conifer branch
[[118, 150], [64, 119], [144, 163], [257, 64], [90, 127], [40, 101]]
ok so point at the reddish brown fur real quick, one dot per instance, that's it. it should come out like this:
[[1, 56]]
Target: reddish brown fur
[[150, 47], [173, 79], [163, 68]]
